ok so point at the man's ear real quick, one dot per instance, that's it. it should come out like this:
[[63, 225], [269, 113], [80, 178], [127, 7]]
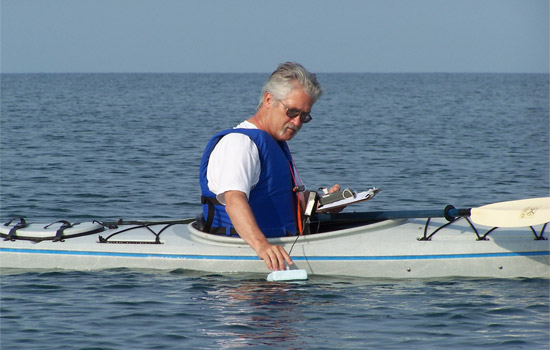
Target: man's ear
[[269, 100]]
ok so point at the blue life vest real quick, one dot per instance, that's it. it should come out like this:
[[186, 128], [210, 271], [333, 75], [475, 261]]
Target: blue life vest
[[272, 200]]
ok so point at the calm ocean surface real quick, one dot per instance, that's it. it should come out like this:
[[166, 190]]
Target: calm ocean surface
[[109, 146]]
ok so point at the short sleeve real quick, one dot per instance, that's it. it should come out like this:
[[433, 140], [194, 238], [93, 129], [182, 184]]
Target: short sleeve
[[234, 164]]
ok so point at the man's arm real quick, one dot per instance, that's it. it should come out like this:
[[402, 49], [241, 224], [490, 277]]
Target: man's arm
[[242, 218]]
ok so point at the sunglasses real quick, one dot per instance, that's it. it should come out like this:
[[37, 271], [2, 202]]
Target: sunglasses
[[293, 113]]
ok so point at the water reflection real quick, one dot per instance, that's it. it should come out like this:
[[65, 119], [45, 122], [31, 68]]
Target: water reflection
[[255, 312]]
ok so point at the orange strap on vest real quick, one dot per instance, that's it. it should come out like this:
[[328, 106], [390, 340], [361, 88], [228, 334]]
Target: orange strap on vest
[[297, 189]]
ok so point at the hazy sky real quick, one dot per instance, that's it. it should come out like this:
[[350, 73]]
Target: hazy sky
[[256, 35]]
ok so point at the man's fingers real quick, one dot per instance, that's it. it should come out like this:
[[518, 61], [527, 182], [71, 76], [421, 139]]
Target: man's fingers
[[283, 256], [275, 256], [286, 257]]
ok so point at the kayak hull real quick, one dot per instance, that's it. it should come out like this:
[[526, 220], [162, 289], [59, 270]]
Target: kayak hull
[[386, 249]]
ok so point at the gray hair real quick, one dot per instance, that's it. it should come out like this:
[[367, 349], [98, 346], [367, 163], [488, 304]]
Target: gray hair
[[283, 80]]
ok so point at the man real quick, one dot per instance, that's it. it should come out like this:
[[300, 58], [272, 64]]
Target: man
[[248, 179]]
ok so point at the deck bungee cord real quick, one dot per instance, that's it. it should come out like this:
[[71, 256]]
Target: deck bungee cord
[[38, 233]]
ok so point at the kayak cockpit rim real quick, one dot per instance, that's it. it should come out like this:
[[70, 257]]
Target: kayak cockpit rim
[[203, 237]]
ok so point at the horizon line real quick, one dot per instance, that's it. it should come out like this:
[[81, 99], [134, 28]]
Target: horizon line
[[266, 72]]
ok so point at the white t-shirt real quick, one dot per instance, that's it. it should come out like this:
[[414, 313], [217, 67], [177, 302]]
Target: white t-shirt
[[234, 164]]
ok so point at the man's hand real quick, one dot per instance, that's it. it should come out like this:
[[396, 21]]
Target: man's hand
[[274, 256], [335, 188], [240, 213]]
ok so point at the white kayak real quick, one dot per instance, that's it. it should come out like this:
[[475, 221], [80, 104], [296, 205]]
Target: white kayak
[[348, 244]]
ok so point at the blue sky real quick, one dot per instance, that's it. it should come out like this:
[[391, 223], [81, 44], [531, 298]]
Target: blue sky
[[256, 35]]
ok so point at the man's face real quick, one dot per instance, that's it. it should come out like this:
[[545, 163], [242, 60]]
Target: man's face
[[279, 125]]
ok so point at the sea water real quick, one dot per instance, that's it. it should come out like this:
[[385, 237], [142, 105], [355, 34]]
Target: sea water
[[109, 146]]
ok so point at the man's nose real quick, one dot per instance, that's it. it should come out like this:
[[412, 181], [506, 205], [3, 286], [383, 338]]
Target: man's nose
[[296, 121]]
